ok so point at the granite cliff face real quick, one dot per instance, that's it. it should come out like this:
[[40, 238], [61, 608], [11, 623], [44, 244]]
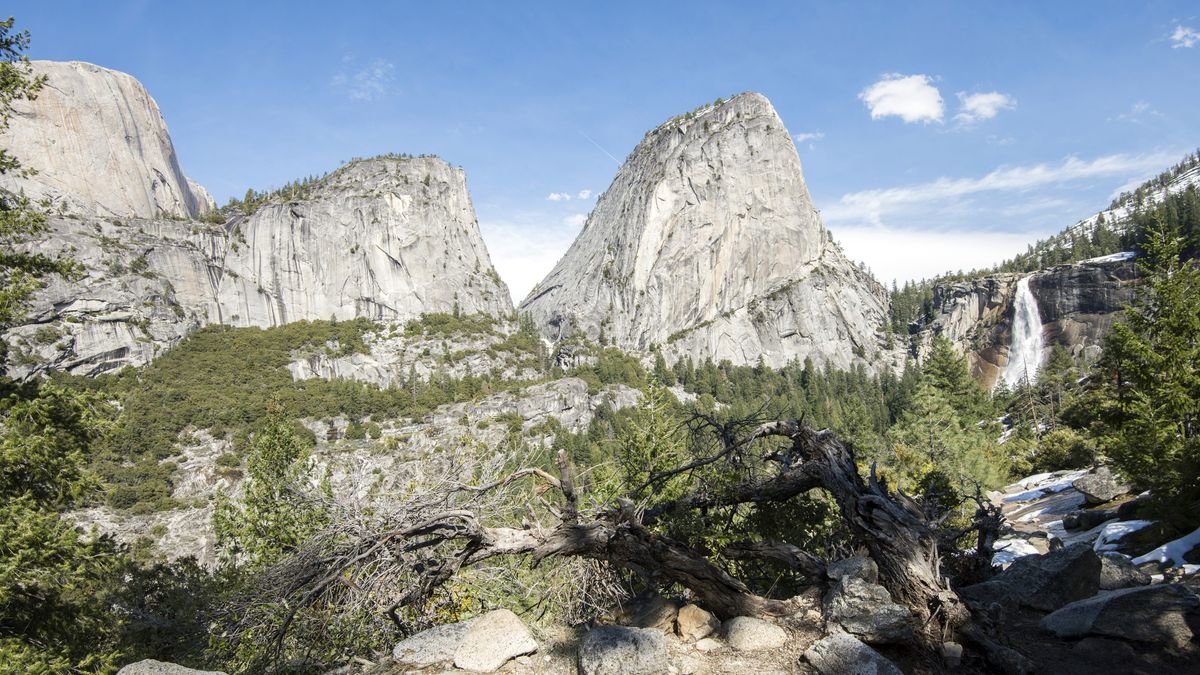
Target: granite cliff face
[[385, 239], [100, 147], [1078, 305], [707, 244]]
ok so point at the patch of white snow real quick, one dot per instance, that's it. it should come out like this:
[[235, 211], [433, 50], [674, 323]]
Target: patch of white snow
[[1172, 551], [1115, 530]]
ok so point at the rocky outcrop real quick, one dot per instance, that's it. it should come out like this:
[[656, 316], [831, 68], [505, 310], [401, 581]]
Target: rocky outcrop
[[841, 654], [866, 611], [100, 147], [152, 667], [707, 244], [1044, 582], [386, 239], [1100, 485], [1160, 614], [491, 640]]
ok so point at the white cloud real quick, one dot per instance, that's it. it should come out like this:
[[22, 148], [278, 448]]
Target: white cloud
[[982, 106], [367, 83], [809, 136], [1184, 37], [927, 253], [558, 197], [869, 206], [575, 220], [523, 253], [1137, 113], [912, 98], [584, 194]]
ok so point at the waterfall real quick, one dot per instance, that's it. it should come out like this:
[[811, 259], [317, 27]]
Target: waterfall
[[1025, 345]]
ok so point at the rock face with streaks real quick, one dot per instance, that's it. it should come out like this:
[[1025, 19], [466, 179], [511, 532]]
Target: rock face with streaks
[[384, 239], [100, 147], [707, 244], [1078, 305], [387, 238]]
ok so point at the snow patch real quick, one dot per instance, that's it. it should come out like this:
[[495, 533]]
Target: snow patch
[[1114, 531], [1008, 550], [1172, 551], [1115, 257]]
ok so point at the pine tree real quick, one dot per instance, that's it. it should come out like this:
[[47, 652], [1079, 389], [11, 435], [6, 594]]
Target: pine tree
[[1151, 372]]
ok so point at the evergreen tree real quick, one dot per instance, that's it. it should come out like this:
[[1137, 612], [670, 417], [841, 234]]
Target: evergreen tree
[[1151, 374], [278, 510]]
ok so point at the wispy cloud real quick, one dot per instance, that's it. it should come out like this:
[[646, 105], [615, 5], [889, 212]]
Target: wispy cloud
[[1184, 37], [982, 106], [927, 252], [1137, 113], [584, 194], [870, 206], [575, 220], [558, 197], [365, 83], [912, 98], [809, 136]]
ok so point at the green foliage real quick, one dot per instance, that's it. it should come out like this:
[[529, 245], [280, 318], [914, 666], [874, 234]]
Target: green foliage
[[1150, 371], [652, 443], [443, 325], [54, 580], [278, 511]]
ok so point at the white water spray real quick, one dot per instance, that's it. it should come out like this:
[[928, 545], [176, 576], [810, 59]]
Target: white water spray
[[1025, 345]]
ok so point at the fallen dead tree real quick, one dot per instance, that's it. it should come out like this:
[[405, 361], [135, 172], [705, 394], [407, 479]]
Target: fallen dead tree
[[423, 546]]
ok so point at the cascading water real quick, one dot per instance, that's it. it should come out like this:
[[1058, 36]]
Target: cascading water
[[1025, 345]]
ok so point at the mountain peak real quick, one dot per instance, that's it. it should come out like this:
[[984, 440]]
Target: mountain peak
[[708, 241]]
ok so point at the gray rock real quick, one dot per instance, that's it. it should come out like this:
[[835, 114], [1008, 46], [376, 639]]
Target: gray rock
[[1132, 509], [841, 654], [653, 612], [618, 650], [1101, 485], [1118, 571], [952, 654], [492, 640], [383, 239], [862, 567], [708, 244], [748, 634], [709, 644], [100, 147], [433, 646], [1044, 582], [1086, 519], [1156, 614], [866, 611], [694, 623], [152, 667]]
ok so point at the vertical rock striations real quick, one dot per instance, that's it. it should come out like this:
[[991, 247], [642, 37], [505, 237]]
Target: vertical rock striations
[[100, 147], [707, 244], [385, 238]]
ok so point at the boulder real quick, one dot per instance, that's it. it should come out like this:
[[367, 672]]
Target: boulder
[[652, 612], [952, 654], [1133, 509], [861, 567], [1100, 485], [841, 654], [1086, 519], [619, 650], [1156, 614], [748, 634], [1118, 571], [1044, 582], [152, 667], [709, 644], [433, 646], [866, 611], [693, 623], [492, 640]]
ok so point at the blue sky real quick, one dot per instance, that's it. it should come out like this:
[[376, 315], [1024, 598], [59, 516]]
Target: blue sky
[[940, 135]]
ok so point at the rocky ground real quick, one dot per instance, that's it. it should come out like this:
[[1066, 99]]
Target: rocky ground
[[1070, 597]]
